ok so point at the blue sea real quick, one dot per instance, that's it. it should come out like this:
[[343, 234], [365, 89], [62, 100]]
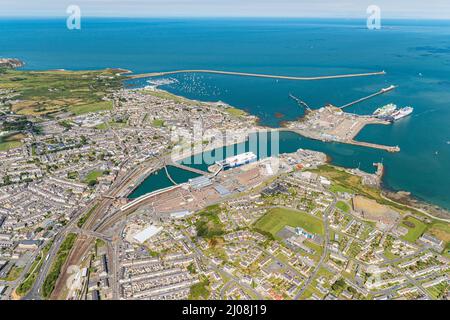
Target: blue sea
[[415, 55]]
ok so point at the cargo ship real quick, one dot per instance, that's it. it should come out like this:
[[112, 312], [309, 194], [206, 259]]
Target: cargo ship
[[239, 160], [403, 112]]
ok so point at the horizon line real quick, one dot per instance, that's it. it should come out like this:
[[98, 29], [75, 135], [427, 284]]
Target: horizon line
[[221, 17]]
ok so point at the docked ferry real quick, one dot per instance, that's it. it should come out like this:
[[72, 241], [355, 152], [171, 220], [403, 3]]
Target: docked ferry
[[385, 111], [403, 112], [239, 160]]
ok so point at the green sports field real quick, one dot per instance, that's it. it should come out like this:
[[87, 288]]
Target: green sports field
[[276, 219], [415, 230]]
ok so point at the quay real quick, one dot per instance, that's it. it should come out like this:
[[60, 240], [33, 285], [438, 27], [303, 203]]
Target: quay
[[352, 142], [257, 75], [380, 169], [374, 146]]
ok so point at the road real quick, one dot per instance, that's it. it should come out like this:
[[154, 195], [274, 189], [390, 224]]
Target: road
[[331, 207], [35, 293]]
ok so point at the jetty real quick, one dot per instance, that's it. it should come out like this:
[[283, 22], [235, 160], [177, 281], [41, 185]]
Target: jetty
[[382, 91], [299, 101], [257, 75], [374, 146]]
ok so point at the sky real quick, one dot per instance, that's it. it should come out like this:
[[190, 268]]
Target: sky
[[407, 9]]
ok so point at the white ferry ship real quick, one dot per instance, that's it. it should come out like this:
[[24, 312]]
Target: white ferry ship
[[386, 110], [403, 112], [239, 160]]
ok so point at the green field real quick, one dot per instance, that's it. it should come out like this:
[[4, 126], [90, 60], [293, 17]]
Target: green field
[[158, 123], [11, 141], [111, 124], [438, 291], [92, 107], [236, 112], [343, 206], [58, 262], [47, 92], [199, 290], [335, 188], [208, 225], [91, 178], [388, 254], [276, 219], [346, 182], [414, 232], [441, 231]]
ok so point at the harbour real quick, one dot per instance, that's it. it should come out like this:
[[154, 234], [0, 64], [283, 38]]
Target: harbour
[[286, 141], [422, 137], [251, 170]]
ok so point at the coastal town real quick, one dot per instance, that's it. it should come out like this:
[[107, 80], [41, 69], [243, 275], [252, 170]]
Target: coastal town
[[284, 227]]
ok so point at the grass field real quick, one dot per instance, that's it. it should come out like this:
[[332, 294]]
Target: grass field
[[343, 206], [345, 182], [158, 123], [208, 225], [236, 112], [388, 254], [441, 231], [199, 290], [438, 291], [338, 188], [91, 178], [11, 141], [415, 232], [111, 124], [351, 183], [92, 107], [47, 92], [276, 219]]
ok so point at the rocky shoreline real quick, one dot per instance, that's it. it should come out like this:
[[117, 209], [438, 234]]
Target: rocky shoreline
[[11, 63]]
